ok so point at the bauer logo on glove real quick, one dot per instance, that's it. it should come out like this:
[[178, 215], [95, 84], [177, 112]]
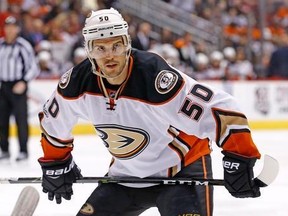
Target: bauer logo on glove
[[58, 172], [231, 166]]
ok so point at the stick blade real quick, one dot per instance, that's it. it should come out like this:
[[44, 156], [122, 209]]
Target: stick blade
[[269, 171], [27, 202]]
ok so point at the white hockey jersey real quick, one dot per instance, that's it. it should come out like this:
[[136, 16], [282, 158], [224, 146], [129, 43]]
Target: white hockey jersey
[[153, 124]]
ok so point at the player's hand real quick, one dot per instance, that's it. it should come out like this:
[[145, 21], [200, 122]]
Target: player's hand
[[58, 177], [238, 175]]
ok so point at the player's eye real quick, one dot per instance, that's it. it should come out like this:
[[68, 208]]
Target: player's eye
[[118, 48], [100, 49]]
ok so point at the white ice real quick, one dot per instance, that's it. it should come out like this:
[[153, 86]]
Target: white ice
[[93, 159]]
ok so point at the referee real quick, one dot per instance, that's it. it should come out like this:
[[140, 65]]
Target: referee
[[17, 67]]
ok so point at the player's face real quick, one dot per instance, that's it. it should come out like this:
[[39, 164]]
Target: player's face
[[110, 55]]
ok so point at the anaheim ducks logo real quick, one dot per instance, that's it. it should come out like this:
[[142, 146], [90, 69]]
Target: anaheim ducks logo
[[65, 78], [123, 142], [87, 209], [165, 81]]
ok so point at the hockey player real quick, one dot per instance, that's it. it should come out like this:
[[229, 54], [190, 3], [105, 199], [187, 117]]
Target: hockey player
[[154, 120]]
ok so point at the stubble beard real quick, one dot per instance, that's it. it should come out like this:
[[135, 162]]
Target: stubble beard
[[116, 73]]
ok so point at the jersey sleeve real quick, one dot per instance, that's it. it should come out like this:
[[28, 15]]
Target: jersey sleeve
[[57, 120], [207, 112]]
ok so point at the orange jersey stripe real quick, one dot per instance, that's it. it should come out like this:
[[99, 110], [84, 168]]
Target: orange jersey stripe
[[206, 188], [198, 147], [241, 143]]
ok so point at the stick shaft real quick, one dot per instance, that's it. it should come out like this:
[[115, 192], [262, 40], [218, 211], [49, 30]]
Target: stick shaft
[[104, 180], [267, 175]]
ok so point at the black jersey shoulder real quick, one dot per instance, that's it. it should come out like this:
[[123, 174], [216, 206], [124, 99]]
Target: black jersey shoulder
[[152, 78], [78, 80]]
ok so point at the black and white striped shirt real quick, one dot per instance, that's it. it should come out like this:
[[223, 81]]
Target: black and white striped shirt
[[17, 61]]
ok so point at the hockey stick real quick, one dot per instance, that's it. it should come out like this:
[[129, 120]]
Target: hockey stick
[[26, 202], [266, 177], [115, 180]]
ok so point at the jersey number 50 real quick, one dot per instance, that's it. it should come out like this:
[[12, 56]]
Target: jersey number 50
[[192, 109]]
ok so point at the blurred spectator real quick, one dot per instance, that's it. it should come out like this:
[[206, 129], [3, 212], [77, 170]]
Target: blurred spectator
[[105, 3], [79, 55], [229, 55], [33, 30], [87, 5], [167, 36], [235, 26], [277, 30], [142, 39], [187, 5], [245, 69], [216, 70], [168, 52], [48, 68], [202, 66], [3, 16], [132, 23], [43, 45], [229, 61], [234, 15], [60, 22], [201, 47], [261, 49], [278, 65], [238, 67], [13, 9], [186, 49]]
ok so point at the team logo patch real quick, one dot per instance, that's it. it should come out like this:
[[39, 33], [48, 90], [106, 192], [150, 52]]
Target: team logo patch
[[165, 81], [87, 209], [65, 78], [123, 142]]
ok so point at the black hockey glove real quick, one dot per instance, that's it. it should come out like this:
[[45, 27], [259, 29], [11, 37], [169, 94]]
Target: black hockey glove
[[238, 176], [58, 177]]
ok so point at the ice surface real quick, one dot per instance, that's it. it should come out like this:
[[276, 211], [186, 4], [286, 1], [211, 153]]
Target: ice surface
[[92, 157]]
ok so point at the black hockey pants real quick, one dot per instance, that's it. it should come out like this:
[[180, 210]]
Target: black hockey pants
[[171, 200]]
